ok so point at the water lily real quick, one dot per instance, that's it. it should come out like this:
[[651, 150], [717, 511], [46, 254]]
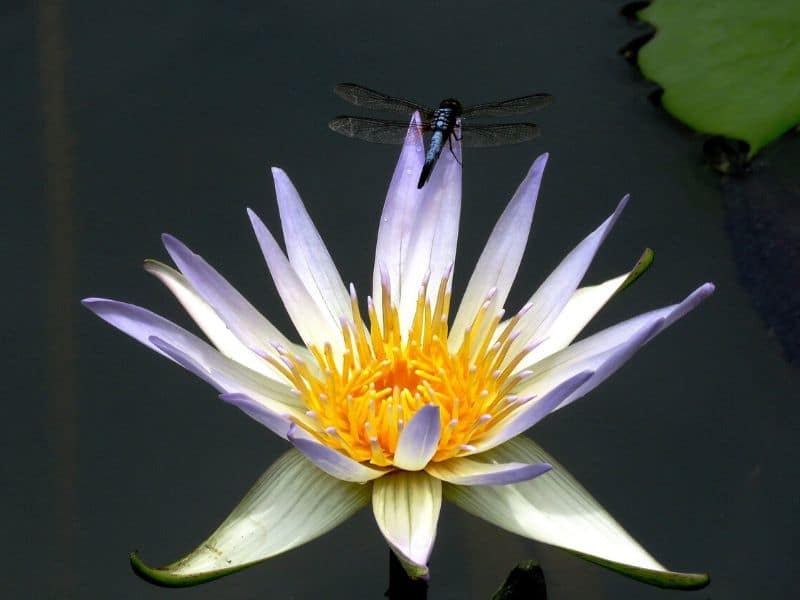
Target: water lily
[[395, 401]]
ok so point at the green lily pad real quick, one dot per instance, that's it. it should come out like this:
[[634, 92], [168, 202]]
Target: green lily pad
[[729, 68]]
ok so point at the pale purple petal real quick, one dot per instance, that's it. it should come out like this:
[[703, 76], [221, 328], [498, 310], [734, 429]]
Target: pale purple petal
[[275, 422], [307, 252], [399, 214], [582, 306], [313, 322], [249, 325], [500, 260], [228, 376], [406, 505], [553, 294], [418, 440], [333, 462], [531, 412], [209, 321], [607, 350], [466, 471], [432, 246]]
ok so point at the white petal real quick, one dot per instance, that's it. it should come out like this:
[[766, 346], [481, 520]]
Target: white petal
[[499, 262], [314, 325], [291, 504], [584, 304], [250, 326], [607, 350], [209, 321], [406, 506], [333, 462], [432, 245], [557, 510], [399, 215], [473, 471], [307, 252], [418, 440], [553, 294]]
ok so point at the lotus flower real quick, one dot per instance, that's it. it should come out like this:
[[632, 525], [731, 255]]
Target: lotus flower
[[396, 402]]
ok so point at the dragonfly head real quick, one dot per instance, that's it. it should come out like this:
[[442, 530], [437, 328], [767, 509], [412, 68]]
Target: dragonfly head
[[452, 104]]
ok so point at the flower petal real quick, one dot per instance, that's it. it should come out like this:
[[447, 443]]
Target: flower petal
[[432, 245], [555, 509], [249, 325], [418, 440], [406, 506], [314, 324], [275, 422], [467, 471], [584, 304], [292, 503], [307, 252], [553, 294], [228, 377], [531, 412], [223, 373], [209, 321], [610, 348], [333, 462], [399, 215], [499, 262]]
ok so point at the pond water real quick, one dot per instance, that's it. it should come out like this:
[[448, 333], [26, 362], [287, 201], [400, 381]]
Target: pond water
[[123, 122]]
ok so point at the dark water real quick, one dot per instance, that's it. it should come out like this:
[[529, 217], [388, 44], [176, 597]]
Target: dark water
[[125, 120]]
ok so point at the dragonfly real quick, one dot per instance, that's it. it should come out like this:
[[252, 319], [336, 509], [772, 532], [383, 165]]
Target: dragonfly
[[441, 122]]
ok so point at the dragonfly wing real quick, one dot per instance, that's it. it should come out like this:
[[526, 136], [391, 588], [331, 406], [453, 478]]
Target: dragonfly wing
[[379, 131], [497, 135], [507, 108], [361, 96]]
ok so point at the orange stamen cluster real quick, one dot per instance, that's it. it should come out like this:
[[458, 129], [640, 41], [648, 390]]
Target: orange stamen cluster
[[359, 402]]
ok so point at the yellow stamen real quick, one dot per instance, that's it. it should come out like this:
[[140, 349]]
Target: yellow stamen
[[360, 402]]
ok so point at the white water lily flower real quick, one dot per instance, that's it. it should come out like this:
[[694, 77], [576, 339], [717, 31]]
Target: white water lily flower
[[394, 405]]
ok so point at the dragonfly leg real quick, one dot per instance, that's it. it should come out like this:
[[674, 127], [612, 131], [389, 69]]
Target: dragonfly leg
[[450, 146]]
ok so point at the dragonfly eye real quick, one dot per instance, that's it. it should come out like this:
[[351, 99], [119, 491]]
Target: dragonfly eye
[[452, 104]]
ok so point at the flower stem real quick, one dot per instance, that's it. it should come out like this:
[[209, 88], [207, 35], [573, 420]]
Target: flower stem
[[401, 586]]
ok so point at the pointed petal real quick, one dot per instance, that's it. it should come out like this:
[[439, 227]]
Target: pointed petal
[[473, 471], [333, 462], [249, 325], [292, 503], [499, 262], [419, 439], [209, 321], [532, 411], [555, 509], [609, 349], [307, 252], [584, 304], [315, 325], [275, 422], [553, 294], [432, 246], [406, 506], [399, 215], [229, 377], [223, 373]]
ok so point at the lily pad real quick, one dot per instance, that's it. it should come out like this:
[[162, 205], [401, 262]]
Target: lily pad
[[729, 68]]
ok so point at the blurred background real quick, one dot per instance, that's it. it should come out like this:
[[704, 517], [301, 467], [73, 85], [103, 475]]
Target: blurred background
[[121, 121]]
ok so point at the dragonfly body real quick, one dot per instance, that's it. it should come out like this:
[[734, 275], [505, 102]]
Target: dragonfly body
[[443, 125], [441, 122]]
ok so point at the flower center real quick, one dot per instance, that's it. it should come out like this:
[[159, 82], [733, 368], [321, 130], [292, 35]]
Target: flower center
[[359, 402]]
